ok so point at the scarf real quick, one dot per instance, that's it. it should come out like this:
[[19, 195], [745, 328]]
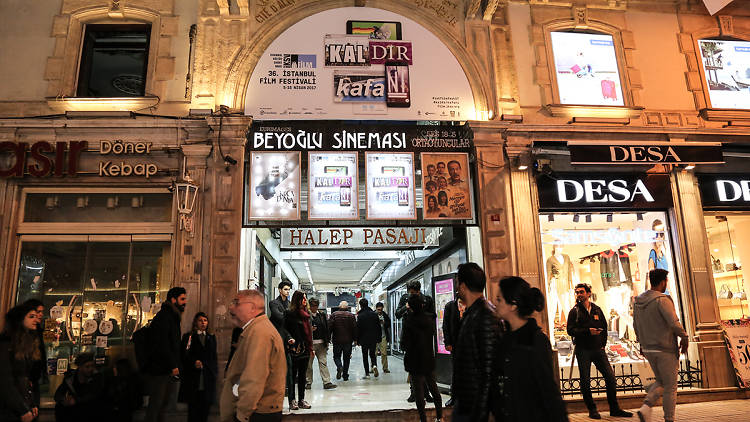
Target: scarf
[[305, 317]]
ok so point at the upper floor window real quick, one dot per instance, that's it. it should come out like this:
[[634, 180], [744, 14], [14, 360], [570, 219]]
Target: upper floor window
[[726, 66], [114, 59], [586, 69]]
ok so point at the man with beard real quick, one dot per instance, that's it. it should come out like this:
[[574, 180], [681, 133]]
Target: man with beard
[[163, 369], [588, 327]]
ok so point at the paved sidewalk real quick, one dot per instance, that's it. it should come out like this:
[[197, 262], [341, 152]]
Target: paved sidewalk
[[714, 411]]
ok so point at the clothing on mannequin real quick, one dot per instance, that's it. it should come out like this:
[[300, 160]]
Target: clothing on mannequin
[[559, 282]]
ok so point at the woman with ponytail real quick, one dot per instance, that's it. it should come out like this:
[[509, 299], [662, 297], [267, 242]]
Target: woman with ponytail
[[530, 391], [19, 353]]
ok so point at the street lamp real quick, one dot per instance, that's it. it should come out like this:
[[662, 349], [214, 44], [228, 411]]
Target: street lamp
[[187, 193]]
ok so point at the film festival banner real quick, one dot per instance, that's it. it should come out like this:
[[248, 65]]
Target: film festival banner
[[333, 186], [390, 186], [274, 186], [358, 63], [446, 187], [737, 337]]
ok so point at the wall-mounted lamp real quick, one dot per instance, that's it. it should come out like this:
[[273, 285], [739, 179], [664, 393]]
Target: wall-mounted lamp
[[690, 166], [588, 218], [187, 193], [576, 218]]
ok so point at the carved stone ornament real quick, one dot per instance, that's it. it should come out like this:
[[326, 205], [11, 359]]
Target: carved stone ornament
[[115, 10], [726, 25], [580, 14]]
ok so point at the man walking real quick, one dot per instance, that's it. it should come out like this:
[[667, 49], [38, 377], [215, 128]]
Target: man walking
[[343, 327], [475, 350], [255, 380], [278, 308], [163, 368], [368, 335], [588, 327], [657, 328], [321, 337], [451, 323], [385, 325], [414, 288]]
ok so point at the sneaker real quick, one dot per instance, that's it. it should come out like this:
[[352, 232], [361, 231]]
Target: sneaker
[[644, 413], [293, 405], [594, 414], [386, 371], [308, 386], [338, 374], [366, 377], [304, 405], [620, 413], [346, 377], [375, 371], [329, 385], [411, 399]]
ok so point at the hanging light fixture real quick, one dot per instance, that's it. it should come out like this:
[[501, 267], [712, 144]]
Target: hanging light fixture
[[187, 193]]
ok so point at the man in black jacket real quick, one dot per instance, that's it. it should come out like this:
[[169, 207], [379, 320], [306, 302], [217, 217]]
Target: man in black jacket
[[451, 324], [278, 309], [321, 337], [475, 349], [385, 326], [588, 327], [163, 367], [414, 287], [368, 335]]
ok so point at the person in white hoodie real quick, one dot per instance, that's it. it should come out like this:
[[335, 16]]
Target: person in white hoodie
[[657, 328]]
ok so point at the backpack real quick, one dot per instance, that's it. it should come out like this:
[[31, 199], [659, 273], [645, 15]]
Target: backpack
[[141, 344]]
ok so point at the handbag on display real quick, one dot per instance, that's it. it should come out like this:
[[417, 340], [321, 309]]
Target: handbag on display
[[725, 293], [741, 295], [716, 264]]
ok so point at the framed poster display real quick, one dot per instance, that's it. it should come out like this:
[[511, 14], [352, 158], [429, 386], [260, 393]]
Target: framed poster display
[[726, 68], [737, 337], [446, 187], [390, 186], [586, 69], [333, 186], [274, 188], [443, 294]]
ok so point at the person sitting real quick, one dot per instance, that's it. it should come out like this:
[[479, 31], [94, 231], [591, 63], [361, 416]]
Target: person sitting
[[80, 397]]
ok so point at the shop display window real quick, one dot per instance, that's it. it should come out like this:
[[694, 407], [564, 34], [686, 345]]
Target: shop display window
[[95, 294], [613, 253], [726, 67], [726, 241]]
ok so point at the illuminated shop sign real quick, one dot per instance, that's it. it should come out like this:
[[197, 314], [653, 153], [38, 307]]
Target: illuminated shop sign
[[590, 237], [360, 237], [651, 153], [725, 190], [43, 159], [623, 191]]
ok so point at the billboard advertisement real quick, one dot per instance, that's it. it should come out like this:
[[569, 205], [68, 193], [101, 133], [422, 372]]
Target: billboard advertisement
[[274, 186], [726, 65], [446, 186], [390, 186], [358, 63], [586, 69], [333, 187]]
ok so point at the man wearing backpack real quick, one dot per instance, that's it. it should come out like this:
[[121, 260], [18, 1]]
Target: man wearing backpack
[[162, 369]]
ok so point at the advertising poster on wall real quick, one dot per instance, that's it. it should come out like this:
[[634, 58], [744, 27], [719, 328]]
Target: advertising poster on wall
[[333, 187], [390, 186], [446, 187], [443, 295], [274, 186], [726, 65], [737, 337], [586, 69], [361, 63]]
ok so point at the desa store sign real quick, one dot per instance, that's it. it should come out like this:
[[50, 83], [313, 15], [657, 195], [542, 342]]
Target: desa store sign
[[611, 191]]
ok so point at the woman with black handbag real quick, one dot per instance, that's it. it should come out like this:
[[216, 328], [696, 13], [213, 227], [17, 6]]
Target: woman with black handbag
[[299, 345], [19, 353], [201, 368]]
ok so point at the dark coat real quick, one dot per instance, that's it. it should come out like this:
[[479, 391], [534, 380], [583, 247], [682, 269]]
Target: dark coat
[[90, 404], [343, 326], [401, 309], [294, 325], [368, 327], [475, 354], [387, 326], [236, 332], [191, 376], [164, 334], [16, 388], [579, 322], [451, 323], [530, 391], [419, 343], [319, 322], [278, 309]]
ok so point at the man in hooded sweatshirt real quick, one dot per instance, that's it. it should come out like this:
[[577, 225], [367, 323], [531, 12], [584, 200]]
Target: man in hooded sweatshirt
[[657, 328]]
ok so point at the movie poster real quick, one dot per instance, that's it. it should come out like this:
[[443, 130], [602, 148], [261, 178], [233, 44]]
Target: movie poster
[[390, 186], [446, 187], [726, 65], [274, 186], [332, 181]]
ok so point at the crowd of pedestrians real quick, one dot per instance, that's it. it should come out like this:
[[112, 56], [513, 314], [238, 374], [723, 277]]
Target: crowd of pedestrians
[[502, 362]]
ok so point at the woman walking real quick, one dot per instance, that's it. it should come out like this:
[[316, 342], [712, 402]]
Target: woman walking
[[299, 344], [529, 391], [19, 354], [201, 369], [419, 334]]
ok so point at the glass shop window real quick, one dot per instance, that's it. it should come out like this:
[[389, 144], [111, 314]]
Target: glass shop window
[[586, 69], [612, 253], [727, 236], [114, 60]]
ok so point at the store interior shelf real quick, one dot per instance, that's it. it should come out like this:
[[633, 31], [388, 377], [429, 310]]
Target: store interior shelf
[[732, 302], [727, 274]]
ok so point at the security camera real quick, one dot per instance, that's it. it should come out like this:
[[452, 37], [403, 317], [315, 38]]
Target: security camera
[[229, 160]]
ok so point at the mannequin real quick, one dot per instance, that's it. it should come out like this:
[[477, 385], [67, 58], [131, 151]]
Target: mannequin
[[657, 257], [559, 282]]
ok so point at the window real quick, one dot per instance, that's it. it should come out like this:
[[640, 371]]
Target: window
[[113, 61], [726, 67], [586, 69], [726, 234]]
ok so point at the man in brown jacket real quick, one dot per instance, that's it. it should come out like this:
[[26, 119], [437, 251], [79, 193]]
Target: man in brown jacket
[[256, 378]]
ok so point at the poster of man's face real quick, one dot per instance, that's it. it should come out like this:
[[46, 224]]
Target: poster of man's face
[[446, 187]]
